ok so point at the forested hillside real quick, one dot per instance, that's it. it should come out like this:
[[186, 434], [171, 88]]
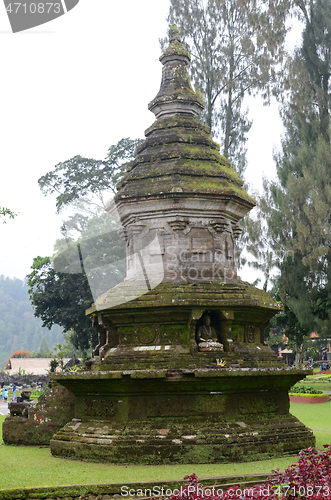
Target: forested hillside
[[19, 328]]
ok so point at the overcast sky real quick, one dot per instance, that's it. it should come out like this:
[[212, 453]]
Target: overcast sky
[[74, 86]]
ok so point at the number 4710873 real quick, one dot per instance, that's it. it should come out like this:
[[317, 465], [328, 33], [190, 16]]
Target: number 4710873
[[34, 8]]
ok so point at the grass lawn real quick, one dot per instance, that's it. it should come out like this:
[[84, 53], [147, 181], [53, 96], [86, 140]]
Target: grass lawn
[[35, 466], [319, 381], [316, 416], [320, 386]]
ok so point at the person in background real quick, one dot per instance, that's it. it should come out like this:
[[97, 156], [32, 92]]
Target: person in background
[[14, 392], [5, 393]]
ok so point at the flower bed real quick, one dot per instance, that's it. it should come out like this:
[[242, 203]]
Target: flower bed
[[307, 395], [309, 398]]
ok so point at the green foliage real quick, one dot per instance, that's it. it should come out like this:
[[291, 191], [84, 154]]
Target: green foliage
[[21, 371], [19, 329], [275, 338], [62, 351], [296, 338], [61, 290], [6, 211], [61, 299], [99, 252], [235, 47], [44, 350], [68, 348], [292, 327], [297, 206], [59, 354], [73, 369], [36, 393], [53, 364], [299, 389], [286, 324], [91, 258], [322, 384], [81, 177]]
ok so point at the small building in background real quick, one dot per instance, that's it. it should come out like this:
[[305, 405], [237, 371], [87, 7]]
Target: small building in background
[[29, 366], [288, 356]]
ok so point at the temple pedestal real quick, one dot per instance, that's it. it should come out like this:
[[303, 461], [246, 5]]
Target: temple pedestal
[[184, 416]]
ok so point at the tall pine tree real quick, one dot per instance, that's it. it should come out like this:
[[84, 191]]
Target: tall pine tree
[[298, 205], [235, 47]]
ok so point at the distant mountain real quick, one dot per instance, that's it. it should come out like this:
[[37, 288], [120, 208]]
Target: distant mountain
[[19, 328]]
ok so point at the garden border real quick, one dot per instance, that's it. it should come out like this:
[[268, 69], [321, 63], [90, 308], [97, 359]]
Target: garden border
[[309, 399], [114, 490]]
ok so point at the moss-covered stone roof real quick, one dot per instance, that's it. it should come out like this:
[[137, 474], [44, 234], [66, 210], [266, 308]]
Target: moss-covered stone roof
[[179, 153], [234, 294]]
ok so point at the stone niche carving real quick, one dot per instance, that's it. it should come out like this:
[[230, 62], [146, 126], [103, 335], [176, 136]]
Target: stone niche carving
[[208, 332]]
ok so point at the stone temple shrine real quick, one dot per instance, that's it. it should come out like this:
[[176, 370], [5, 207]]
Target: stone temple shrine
[[181, 373]]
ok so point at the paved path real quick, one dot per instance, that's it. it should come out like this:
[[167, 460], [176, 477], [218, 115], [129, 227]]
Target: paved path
[[4, 408]]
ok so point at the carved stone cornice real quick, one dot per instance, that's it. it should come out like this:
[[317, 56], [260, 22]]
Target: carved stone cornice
[[135, 228], [219, 225], [123, 233], [178, 224], [237, 230]]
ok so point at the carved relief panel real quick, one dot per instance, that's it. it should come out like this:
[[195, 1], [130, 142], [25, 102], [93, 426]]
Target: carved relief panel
[[250, 332], [99, 408]]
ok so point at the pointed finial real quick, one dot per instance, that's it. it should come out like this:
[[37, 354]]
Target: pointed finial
[[174, 34], [176, 94]]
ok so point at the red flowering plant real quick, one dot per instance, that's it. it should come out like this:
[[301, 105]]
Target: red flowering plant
[[309, 478], [196, 491], [20, 354]]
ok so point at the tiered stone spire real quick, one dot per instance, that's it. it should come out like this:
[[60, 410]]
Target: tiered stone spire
[[176, 94], [180, 186]]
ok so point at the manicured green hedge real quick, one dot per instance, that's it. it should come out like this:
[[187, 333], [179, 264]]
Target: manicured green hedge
[[298, 389]]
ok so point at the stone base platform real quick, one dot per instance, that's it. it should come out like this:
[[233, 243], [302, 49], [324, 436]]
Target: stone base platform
[[191, 416]]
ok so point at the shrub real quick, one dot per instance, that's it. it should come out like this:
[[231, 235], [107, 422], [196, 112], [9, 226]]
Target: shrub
[[20, 354], [310, 477], [298, 389], [54, 408]]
